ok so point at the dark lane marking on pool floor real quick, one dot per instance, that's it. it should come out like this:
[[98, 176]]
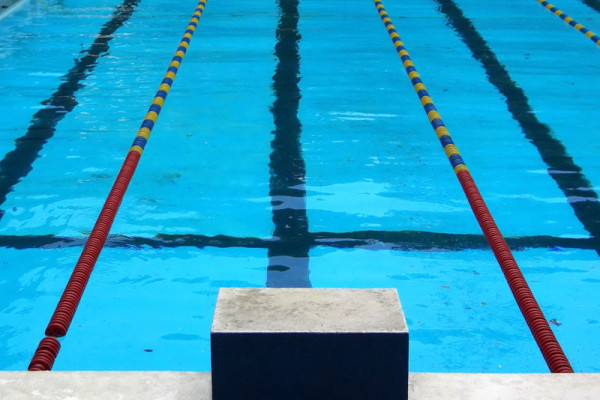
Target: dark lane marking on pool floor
[[19, 162], [593, 4], [569, 177], [288, 256], [365, 240]]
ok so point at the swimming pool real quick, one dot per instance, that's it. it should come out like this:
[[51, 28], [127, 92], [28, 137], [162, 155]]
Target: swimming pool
[[304, 129]]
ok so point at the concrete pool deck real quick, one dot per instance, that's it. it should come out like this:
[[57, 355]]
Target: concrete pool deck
[[8, 6], [129, 385]]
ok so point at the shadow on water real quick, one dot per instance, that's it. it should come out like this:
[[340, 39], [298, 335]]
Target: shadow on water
[[288, 252]]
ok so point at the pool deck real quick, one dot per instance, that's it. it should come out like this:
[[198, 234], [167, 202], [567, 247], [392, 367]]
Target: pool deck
[[8, 6], [89, 385]]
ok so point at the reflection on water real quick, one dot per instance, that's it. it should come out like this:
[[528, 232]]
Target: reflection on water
[[370, 199]]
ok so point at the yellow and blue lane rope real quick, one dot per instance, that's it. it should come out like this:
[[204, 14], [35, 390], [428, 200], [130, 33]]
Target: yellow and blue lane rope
[[435, 119], [549, 346], [145, 130], [550, 7]]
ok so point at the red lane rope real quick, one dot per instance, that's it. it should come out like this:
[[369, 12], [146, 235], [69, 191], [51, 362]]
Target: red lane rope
[[67, 305], [45, 355], [549, 346], [544, 337]]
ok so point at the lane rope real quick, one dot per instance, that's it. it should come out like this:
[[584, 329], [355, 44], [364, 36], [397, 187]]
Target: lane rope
[[550, 7], [45, 355], [549, 346]]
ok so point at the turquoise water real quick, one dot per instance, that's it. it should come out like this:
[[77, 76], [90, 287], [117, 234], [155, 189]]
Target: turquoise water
[[294, 152]]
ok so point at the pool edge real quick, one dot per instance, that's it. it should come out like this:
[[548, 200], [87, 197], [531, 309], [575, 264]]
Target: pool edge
[[10, 6], [95, 385]]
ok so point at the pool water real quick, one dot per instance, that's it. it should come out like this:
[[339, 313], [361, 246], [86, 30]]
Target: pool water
[[293, 151]]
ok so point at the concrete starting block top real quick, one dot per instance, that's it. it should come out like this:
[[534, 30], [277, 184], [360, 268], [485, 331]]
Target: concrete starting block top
[[303, 310]]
